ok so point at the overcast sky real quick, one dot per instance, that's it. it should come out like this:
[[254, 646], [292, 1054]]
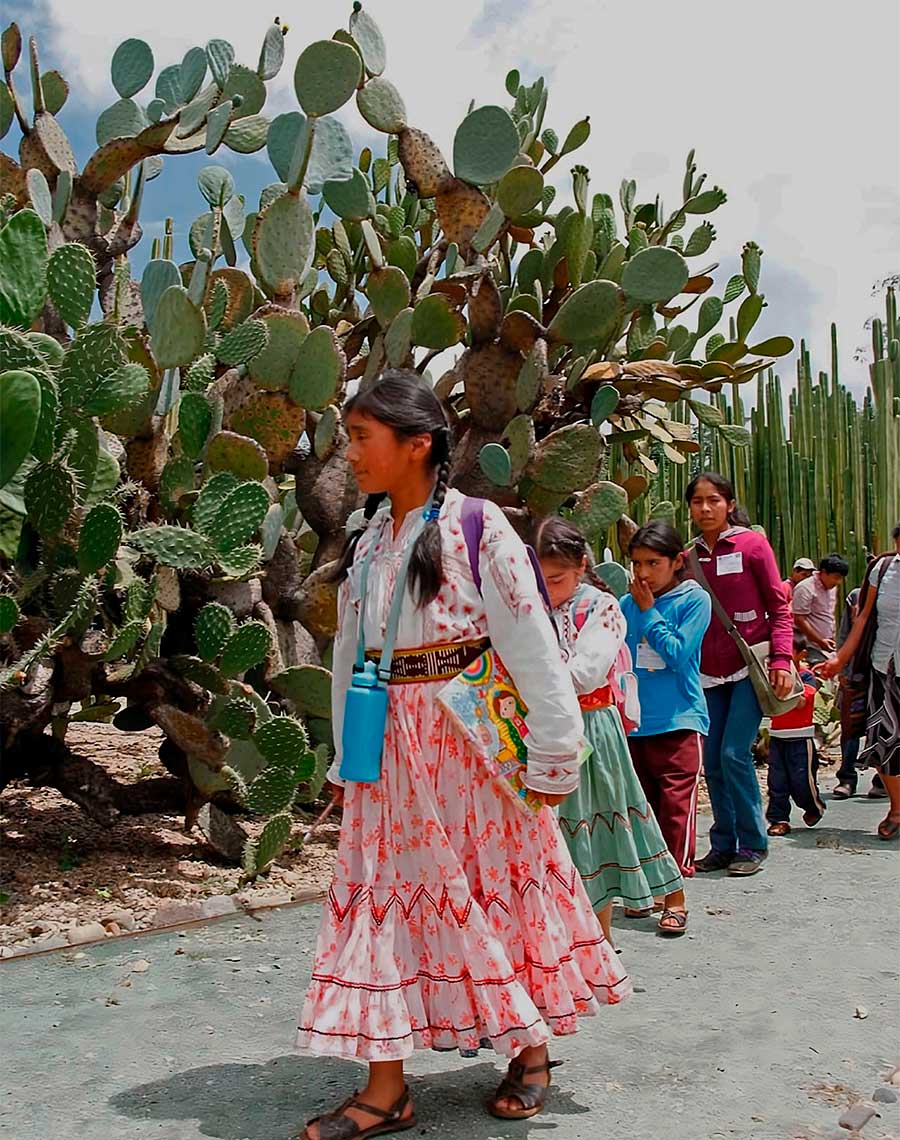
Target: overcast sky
[[793, 107]]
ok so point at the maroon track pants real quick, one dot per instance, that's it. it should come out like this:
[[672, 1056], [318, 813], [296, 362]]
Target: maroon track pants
[[668, 767]]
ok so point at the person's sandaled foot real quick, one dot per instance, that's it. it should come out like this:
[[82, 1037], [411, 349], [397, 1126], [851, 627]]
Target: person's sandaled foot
[[779, 828], [889, 828], [843, 792], [340, 1125], [642, 912], [516, 1099], [672, 923]]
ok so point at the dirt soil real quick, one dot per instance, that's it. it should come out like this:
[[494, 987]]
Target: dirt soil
[[59, 869]]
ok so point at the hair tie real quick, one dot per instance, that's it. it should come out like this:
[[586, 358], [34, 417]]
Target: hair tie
[[432, 513]]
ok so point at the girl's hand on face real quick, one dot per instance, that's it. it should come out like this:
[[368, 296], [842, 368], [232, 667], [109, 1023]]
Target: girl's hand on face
[[642, 594]]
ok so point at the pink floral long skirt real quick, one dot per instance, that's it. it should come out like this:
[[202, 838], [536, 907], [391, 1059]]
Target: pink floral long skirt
[[455, 915]]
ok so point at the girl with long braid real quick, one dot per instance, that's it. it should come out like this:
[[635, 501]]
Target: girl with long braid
[[455, 918]]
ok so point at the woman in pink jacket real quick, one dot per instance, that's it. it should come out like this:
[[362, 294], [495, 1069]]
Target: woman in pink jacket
[[740, 568]]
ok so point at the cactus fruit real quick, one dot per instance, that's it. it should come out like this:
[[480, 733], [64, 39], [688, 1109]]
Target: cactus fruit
[[20, 413], [243, 457], [307, 687], [23, 269], [260, 852], [213, 625], [9, 613], [242, 343], [50, 497], [239, 517], [245, 648], [174, 546], [99, 537], [236, 718], [71, 282], [194, 423]]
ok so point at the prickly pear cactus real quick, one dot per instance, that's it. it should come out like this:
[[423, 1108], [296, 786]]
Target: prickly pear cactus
[[173, 473]]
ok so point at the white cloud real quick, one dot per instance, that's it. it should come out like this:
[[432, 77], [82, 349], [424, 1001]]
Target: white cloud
[[792, 107]]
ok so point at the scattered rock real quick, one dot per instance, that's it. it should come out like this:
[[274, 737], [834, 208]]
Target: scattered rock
[[172, 911], [217, 905], [885, 1095], [40, 928], [175, 838], [857, 1116], [257, 900], [112, 929], [861, 1012], [221, 832], [89, 932], [190, 869], [51, 941], [124, 919], [7, 952], [162, 888], [892, 1077], [141, 966]]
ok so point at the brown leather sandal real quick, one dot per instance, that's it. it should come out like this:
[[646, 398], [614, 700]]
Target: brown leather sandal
[[672, 923], [337, 1125], [531, 1097]]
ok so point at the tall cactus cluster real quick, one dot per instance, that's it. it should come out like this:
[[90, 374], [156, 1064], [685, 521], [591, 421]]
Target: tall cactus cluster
[[173, 476], [818, 471]]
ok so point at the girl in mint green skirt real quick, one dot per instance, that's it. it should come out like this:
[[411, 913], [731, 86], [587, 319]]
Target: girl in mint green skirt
[[610, 828]]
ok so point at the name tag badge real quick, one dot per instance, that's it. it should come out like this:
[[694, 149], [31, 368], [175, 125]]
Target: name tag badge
[[648, 658], [730, 563]]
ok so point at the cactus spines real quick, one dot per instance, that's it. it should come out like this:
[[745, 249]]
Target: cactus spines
[[243, 457], [212, 495], [174, 546], [239, 517], [23, 269], [213, 625], [200, 374], [307, 687], [194, 422], [20, 412], [260, 852], [282, 741], [50, 496], [125, 640], [71, 282], [122, 389], [245, 648], [96, 351], [99, 537], [236, 718], [240, 560], [242, 343]]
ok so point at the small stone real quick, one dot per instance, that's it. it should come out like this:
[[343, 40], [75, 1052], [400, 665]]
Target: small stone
[[7, 952], [885, 1095], [893, 1078], [52, 941], [141, 966], [175, 838], [217, 905], [190, 869], [173, 911], [40, 928], [123, 919], [861, 1012], [257, 900], [89, 932], [857, 1116]]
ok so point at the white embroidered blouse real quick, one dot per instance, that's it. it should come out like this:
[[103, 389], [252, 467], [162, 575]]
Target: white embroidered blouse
[[508, 610], [592, 650]]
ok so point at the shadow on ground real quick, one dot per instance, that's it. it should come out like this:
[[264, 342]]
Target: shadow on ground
[[273, 1101]]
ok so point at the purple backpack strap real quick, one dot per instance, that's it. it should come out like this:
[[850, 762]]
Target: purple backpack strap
[[472, 520]]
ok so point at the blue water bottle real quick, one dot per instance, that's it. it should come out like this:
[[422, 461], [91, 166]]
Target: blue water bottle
[[365, 720]]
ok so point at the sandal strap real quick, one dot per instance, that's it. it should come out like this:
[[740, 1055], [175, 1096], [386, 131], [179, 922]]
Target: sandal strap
[[336, 1125], [529, 1095], [680, 916]]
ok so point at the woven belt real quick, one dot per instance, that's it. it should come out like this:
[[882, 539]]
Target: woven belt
[[439, 662], [599, 699]]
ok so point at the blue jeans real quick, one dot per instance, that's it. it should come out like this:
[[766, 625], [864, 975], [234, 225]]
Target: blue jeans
[[734, 718]]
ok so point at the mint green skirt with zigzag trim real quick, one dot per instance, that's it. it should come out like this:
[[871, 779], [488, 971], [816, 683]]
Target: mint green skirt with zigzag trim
[[611, 830]]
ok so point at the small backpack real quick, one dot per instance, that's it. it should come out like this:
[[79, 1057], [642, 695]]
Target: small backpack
[[621, 680]]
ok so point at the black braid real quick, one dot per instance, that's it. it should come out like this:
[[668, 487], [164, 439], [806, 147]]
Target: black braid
[[343, 564], [556, 538], [426, 565]]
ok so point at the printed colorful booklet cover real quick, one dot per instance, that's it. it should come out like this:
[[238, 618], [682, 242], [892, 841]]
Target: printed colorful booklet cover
[[485, 704]]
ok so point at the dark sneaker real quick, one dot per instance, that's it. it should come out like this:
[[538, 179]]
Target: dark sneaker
[[779, 828], [844, 792], [714, 861], [747, 862]]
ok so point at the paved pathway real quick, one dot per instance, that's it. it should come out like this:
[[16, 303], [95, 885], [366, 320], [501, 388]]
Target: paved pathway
[[745, 1028]]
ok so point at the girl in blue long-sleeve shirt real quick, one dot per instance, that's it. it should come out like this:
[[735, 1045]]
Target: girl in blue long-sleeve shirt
[[667, 618]]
